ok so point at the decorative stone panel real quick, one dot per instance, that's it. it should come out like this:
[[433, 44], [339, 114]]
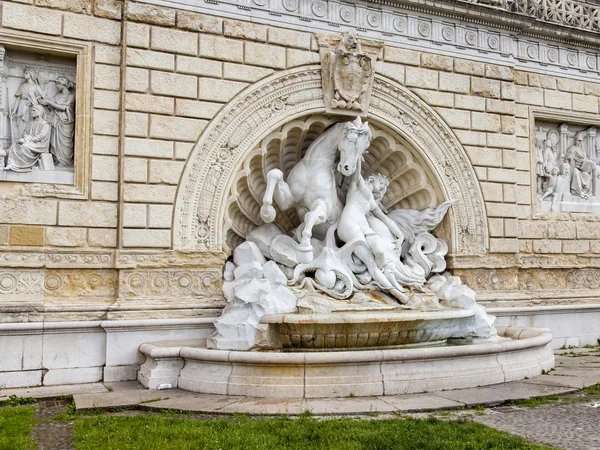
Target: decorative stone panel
[[170, 283]]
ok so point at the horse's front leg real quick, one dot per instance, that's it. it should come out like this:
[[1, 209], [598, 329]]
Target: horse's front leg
[[280, 191], [317, 215]]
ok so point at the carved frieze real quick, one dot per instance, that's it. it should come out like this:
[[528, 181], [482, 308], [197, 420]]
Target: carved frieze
[[567, 167], [170, 283], [347, 68], [21, 283], [80, 283]]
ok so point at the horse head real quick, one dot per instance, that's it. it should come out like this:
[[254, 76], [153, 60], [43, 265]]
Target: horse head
[[356, 138]]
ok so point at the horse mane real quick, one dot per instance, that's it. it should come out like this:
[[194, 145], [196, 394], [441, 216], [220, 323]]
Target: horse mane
[[321, 137]]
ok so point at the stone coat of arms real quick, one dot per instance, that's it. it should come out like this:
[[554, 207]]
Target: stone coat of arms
[[348, 69]]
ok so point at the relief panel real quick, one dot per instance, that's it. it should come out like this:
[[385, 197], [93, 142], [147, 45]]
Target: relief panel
[[37, 126], [567, 167]]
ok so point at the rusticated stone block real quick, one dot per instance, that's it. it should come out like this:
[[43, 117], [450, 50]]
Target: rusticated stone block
[[92, 28], [244, 30], [66, 237], [76, 6], [107, 99], [265, 55], [105, 191], [150, 59], [547, 246], [225, 49], [402, 56], [557, 99], [421, 78], [26, 236], [145, 238], [140, 12], [199, 22], [499, 72], [289, 38], [137, 35], [29, 18], [175, 41], [110, 9], [453, 82], [437, 62], [102, 237], [469, 67], [485, 88], [87, 214]]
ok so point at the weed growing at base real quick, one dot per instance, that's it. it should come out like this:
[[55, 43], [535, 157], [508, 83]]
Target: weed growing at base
[[303, 433]]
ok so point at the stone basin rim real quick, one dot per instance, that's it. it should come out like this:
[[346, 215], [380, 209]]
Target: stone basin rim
[[521, 338], [345, 317]]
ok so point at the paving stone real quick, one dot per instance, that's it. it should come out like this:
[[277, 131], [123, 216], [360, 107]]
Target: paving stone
[[266, 406], [50, 435], [347, 405], [501, 393], [195, 402], [53, 391], [420, 402], [124, 398], [572, 427]]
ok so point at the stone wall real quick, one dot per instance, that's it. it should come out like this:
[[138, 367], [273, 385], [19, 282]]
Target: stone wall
[[157, 76]]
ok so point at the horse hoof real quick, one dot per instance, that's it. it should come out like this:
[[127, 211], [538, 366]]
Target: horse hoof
[[267, 213], [304, 255]]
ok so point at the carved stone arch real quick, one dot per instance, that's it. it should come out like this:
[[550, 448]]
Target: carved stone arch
[[225, 145]]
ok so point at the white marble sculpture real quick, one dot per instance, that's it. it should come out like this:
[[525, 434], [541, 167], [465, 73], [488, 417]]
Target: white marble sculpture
[[567, 168], [346, 246]]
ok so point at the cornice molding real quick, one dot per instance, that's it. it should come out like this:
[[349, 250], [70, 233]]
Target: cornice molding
[[546, 41]]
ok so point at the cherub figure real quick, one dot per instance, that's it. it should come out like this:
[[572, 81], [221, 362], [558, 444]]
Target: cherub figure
[[362, 215], [551, 184]]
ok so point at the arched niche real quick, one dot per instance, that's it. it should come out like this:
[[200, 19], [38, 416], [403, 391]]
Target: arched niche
[[220, 190]]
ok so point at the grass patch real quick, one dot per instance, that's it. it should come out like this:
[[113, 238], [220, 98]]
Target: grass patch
[[304, 433], [594, 389], [15, 427], [534, 402], [13, 400]]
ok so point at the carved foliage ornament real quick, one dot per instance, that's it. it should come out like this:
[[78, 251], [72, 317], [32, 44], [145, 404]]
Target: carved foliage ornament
[[348, 67], [201, 202]]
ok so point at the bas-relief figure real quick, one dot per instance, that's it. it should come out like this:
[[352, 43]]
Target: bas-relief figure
[[62, 106], [40, 87], [567, 168], [25, 152], [348, 253]]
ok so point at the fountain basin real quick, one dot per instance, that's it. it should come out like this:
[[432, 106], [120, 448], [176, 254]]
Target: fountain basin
[[516, 353], [364, 329]]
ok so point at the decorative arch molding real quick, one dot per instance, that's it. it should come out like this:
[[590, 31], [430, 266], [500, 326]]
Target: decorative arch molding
[[213, 163]]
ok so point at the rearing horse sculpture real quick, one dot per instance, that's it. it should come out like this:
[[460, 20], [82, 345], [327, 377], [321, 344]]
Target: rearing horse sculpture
[[310, 187]]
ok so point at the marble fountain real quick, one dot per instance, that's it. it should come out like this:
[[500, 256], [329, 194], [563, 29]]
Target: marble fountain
[[354, 301]]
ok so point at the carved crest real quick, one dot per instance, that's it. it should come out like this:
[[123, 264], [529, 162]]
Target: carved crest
[[347, 70]]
